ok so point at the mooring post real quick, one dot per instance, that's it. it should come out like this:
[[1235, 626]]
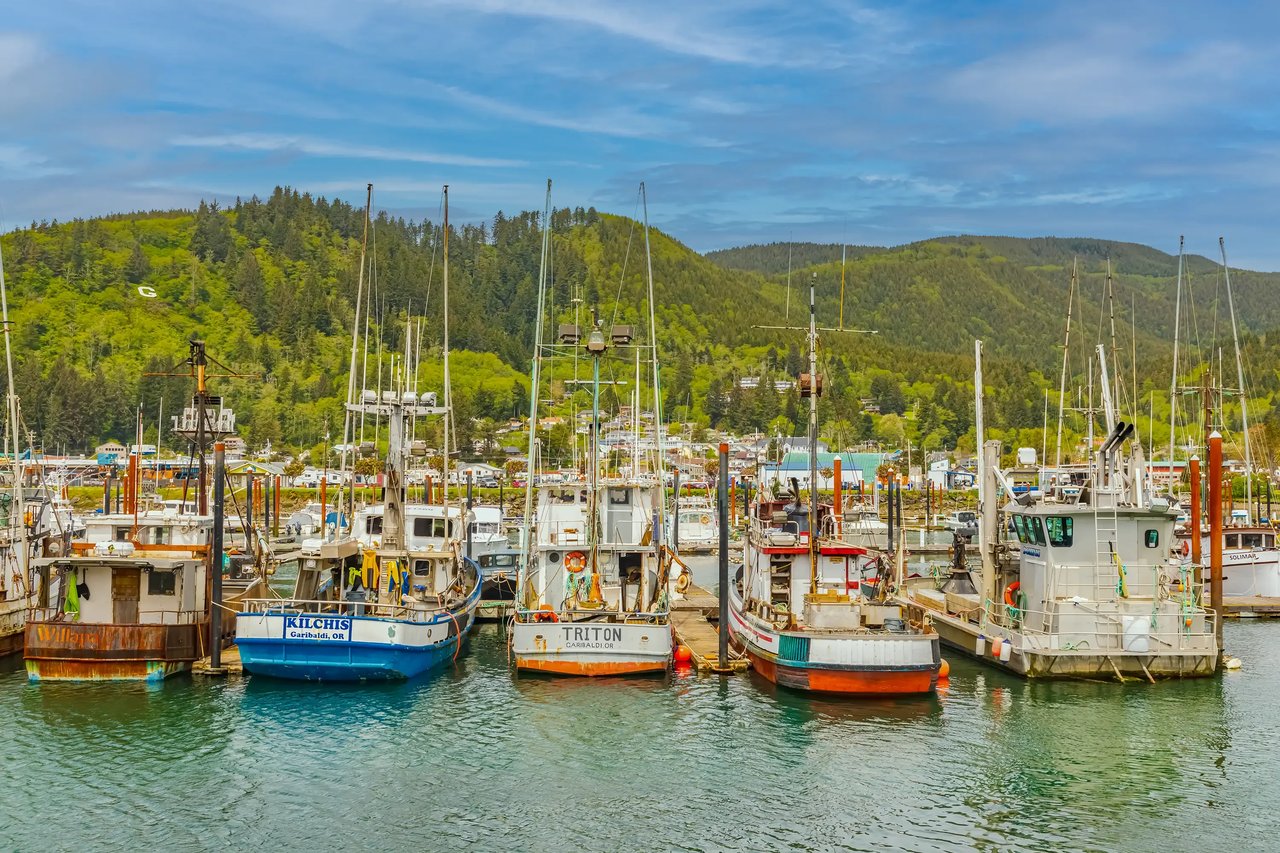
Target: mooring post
[[675, 511], [215, 608], [723, 507], [1215, 536], [467, 520], [1195, 509]]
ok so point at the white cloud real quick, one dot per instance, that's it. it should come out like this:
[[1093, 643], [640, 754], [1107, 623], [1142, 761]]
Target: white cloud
[[325, 148]]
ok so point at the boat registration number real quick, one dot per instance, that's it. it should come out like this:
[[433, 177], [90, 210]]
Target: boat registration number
[[317, 628]]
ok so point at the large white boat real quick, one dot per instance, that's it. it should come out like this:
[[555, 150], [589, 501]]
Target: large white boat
[[1093, 586], [692, 525], [592, 595]]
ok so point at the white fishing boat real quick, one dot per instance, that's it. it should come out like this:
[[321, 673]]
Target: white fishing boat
[[1093, 586], [797, 608], [692, 525], [592, 594]]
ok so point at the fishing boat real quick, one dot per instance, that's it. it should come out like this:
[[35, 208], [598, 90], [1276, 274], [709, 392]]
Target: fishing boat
[[593, 588], [1090, 585], [391, 610], [692, 525], [797, 608], [132, 600]]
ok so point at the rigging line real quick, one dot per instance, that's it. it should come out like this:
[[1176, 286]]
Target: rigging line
[[626, 257]]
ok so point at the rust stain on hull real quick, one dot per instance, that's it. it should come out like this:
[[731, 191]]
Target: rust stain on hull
[[102, 652]]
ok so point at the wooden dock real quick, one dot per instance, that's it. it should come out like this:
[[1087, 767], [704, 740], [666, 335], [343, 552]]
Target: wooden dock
[[230, 664], [1250, 606], [693, 622]]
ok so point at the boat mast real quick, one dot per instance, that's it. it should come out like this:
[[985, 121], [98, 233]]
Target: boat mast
[[24, 561], [1062, 381], [530, 470], [844, 251], [351, 374], [813, 437], [660, 509], [448, 393], [1173, 383], [1244, 400]]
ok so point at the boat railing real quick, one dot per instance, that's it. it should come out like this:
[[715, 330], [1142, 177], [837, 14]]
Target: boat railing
[[1109, 633], [776, 533], [657, 617], [146, 617], [372, 609]]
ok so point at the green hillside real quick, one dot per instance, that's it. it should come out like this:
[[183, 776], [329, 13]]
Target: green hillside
[[270, 284]]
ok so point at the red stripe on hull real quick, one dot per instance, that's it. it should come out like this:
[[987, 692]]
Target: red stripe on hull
[[594, 668], [845, 681]]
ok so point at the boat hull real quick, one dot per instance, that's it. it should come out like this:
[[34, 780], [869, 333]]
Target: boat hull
[[13, 620], [591, 648], [72, 651], [1067, 664], [328, 647], [879, 664]]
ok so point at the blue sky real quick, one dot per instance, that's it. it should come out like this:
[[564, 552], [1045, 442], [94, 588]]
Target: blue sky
[[749, 121]]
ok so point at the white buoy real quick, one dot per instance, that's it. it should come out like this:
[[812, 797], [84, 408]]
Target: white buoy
[[1232, 663]]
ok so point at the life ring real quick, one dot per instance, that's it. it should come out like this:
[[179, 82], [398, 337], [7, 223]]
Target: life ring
[[575, 561], [545, 614], [1009, 592], [705, 519], [684, 582], [1186, 547]]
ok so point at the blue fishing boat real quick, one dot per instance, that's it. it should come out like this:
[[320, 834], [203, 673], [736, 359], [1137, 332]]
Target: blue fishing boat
[[393, 608]]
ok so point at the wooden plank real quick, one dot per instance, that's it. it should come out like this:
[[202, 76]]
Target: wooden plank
[[230, 663]]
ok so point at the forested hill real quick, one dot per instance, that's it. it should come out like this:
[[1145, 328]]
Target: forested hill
[[776, 258], [271, 283]]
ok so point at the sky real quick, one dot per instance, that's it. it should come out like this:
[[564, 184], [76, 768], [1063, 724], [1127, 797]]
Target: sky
[[748, 121]]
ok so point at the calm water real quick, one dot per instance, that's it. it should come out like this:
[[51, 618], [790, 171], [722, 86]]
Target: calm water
[[475, 759]]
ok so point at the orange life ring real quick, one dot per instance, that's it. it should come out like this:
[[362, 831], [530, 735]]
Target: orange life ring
[[575, 561], [545, 613], [1009, 593]]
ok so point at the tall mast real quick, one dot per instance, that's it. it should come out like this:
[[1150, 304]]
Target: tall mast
[[15, 430], [813, 437], [530, 469], [844, 251], [448, 393], [1173, 383], [1115, 355], [1062, 380], [657, 391], [351, 373], [1244, 400]]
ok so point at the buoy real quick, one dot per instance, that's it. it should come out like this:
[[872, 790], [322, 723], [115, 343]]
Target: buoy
[[944, 671], [683, 655], [1232, 663]]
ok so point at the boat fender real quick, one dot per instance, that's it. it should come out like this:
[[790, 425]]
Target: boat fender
[[1186, 547], [683, 582], [545, 614], [575, 561], [1009, 594]]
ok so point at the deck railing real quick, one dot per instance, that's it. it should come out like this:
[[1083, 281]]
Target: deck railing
[[372, 609]]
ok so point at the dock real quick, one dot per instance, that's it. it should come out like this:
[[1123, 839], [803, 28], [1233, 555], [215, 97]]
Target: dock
[[230, 664], [693, 623], [1250, 606]]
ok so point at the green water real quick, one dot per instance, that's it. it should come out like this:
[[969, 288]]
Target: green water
[[476, 759]]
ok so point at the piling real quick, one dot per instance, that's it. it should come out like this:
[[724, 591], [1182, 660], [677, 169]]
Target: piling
[[106, 495], [1215, 536], [675, 512], [836, 487], [724, 556], [215, 609], [1195, 510], [324, 508], [889, 496], [467, 519]]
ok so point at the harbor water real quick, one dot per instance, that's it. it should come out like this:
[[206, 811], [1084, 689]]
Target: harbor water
[[477, 759]]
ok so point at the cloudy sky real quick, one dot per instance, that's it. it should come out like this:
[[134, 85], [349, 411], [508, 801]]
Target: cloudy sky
[[749, 121]]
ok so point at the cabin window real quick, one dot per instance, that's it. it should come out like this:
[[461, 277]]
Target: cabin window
[[1152, 539], [1251, 540], [1269, 540], [159, 536], [619, 497], [1060, 530], [1020, 527], [1035, 529], [160, 583], [1233, 540], [122, 534], [422, 568], [373, 525], [432, 527]]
